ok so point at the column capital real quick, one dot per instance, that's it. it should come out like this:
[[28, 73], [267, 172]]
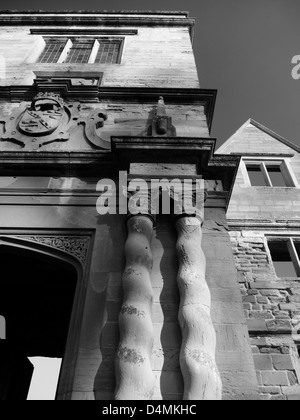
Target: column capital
[[191, 202], [141, 203]]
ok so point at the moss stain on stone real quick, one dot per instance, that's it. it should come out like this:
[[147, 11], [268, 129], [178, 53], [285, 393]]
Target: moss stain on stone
[[130, 356]]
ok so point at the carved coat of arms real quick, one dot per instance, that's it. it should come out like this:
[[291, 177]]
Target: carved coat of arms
[[43, 117], [47, 119]]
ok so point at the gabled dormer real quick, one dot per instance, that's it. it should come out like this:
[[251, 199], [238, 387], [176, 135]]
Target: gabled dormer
[[268, 179]]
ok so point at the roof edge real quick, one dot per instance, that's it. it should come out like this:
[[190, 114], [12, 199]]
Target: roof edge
[[111, 12], [264, 129]]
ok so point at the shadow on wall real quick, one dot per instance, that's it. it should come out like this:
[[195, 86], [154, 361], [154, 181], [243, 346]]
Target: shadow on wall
[[171, 380], [165, 310], [113, 263]]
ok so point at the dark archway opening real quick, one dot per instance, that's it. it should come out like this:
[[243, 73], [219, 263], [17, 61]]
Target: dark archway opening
[[36, 299]]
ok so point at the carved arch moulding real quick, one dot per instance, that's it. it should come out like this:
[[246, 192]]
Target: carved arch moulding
[[75, 248], [61, 245]]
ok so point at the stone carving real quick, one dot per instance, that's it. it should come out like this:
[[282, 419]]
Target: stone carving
[[72, 85], [134, 376], [77, 246], [94, 122], [161, 123], [197, 357], [46, 120], [44, 115]]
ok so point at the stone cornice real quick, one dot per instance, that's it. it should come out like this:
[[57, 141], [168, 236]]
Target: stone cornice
[[82, 31], [199, 151], [40, 18], [63, 85], [124, 151], [263, 224], [61, 163], [97, 12]]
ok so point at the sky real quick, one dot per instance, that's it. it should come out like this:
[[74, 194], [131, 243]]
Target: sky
[[243, 48], [44, 379]]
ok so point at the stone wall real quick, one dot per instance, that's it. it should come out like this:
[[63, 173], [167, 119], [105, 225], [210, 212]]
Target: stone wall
[[46, 205], [155, 57], [272, 309], [123, 119], [233, 355]]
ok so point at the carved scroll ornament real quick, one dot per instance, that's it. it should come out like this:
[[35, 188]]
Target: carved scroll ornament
[[93, 124]]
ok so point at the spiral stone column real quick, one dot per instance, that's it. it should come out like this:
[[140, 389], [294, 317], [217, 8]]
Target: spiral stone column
[[197, 357], [134, 376]]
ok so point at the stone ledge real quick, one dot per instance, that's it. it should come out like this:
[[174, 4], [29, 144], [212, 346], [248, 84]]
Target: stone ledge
[[274, 378], [267, 285], [269, 326]]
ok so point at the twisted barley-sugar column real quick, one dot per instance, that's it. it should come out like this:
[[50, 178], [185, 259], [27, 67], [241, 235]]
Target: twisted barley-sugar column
[[197, 356], [134, 376]]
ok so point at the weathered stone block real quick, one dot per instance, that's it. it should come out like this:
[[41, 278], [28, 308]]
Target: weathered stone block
[[278, 398], [265, 397], [293, 397], [255, 350], [292, 378], [282, 362], [260, 314], [256, 325], [274, 378], [270, 350], [269, 389], [262, 300], [294, 298], [287, 307], [279, 325], [259, 341], [262, 361], [253, 292], [267, 285], [292, 392], [256, 307], [270, 292], [295, 291], [259, 378], [271, 307], [249, 299]]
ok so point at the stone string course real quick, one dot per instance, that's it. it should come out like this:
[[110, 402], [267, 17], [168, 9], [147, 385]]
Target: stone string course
[[272, 309]]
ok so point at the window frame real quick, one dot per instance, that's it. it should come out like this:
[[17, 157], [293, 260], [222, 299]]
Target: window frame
[[94, 40], [2, 325], [263, 163], [290, 241]]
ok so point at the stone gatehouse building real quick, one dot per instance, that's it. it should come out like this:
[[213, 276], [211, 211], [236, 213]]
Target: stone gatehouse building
[[169, 305]]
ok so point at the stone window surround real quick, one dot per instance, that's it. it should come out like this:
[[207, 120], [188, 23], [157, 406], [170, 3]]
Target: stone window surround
[[40, 45], [263, 235], [282, 162], [290, 240]]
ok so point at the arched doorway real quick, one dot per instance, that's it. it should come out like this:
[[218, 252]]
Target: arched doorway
[[36, 298]]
